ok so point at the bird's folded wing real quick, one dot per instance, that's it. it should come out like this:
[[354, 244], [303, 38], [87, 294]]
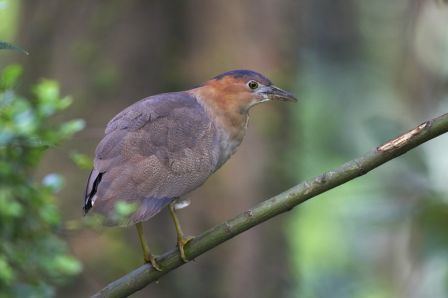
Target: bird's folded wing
[[155, 150]]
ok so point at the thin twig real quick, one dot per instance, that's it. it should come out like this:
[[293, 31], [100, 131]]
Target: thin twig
[[144, 275]]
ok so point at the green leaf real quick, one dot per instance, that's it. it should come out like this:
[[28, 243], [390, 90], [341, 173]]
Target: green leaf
[[124, 209], [47, 89], [10, 75], [81, 160], [6, 272], [7, 46], [67, 265], [8, 206], [69, 128], [64, 103], [25, 122], [47, 93], [49, 214]]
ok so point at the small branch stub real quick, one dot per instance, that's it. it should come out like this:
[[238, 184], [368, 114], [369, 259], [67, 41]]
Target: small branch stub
[[404, 138]]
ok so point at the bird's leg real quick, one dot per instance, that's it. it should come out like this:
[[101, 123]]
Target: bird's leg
[[181, 239], [149, 258]]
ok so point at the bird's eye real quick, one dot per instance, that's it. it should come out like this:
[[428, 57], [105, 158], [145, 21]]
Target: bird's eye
[[252, 85]]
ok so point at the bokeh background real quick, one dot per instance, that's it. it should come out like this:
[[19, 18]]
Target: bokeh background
[[364, 71]]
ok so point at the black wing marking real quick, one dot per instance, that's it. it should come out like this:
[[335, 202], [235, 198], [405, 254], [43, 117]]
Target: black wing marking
[[89, 194]]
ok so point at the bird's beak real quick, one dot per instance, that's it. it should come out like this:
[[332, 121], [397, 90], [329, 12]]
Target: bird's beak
[[275, 93]]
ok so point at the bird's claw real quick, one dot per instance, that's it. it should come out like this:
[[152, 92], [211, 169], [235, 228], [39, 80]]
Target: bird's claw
[[181, 242], [151, 260]]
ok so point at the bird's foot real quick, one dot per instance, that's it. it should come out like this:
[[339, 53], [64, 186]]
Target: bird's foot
[[181, 242], [152, 260]]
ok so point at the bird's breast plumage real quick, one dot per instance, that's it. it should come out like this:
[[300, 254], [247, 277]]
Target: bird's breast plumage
[[230, 122], [228, 143]]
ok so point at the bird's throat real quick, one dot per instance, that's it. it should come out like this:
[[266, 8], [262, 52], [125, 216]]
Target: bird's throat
[[230, 122]]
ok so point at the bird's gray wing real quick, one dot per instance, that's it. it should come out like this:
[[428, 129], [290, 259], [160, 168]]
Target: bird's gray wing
[[155, 150]]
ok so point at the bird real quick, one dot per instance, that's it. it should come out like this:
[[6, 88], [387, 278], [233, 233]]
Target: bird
[[164, 146]]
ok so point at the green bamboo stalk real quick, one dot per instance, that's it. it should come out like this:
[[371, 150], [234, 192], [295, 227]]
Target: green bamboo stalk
[[144, 275]]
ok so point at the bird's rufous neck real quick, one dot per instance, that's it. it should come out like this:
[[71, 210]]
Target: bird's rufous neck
[[225, 111]]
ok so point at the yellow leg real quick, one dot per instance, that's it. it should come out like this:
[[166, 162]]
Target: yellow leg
[[149, 258], [181, 239]]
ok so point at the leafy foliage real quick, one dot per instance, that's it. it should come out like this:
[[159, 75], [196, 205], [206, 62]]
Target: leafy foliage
[[33, 259]]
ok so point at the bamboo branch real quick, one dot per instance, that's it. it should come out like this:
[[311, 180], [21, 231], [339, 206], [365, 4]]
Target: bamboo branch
[[144, 275]]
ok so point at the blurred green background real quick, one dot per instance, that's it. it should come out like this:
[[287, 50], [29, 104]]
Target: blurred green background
[[364, 71]]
